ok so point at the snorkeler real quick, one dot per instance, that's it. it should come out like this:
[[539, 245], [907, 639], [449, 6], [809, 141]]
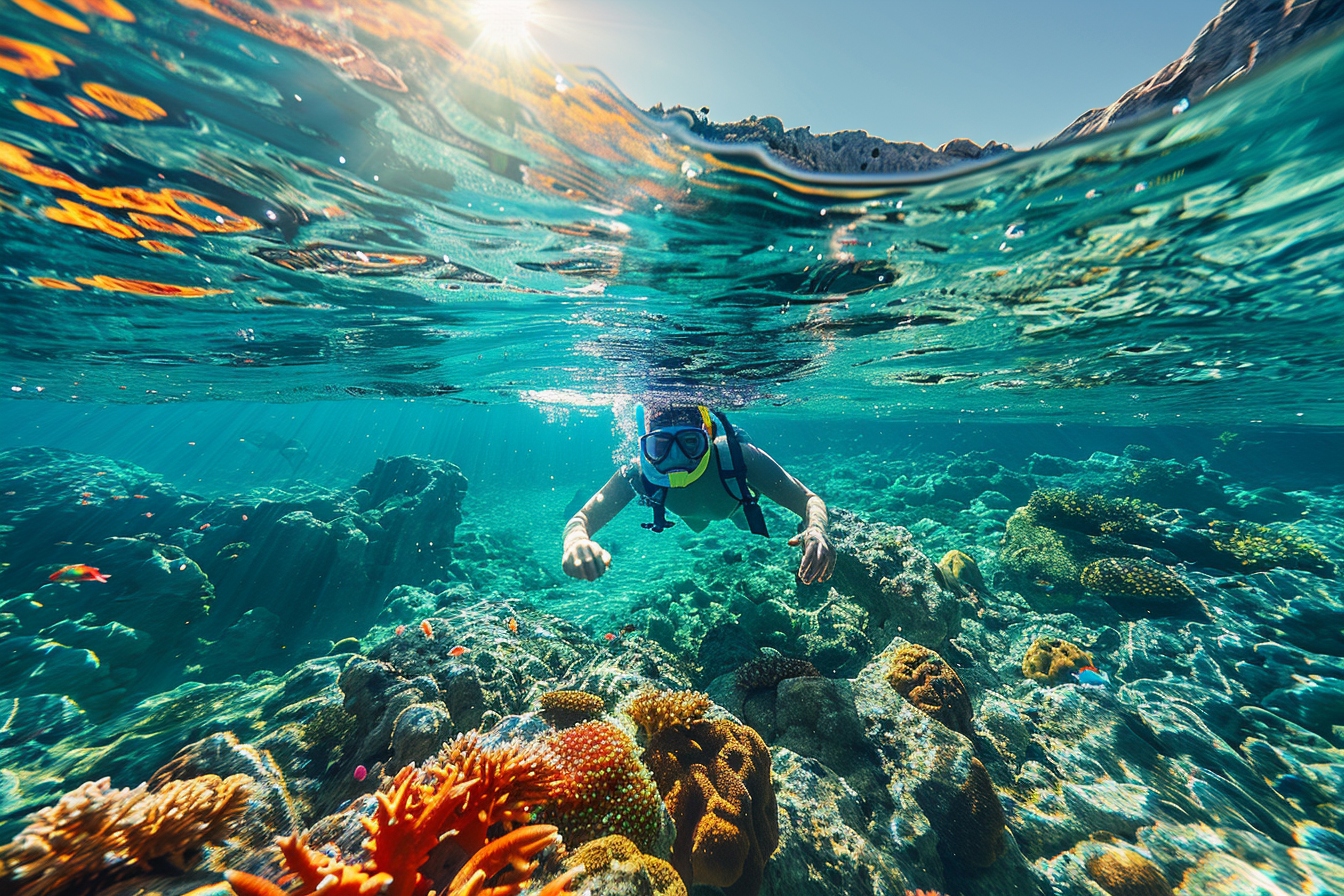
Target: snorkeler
[[676, 449]]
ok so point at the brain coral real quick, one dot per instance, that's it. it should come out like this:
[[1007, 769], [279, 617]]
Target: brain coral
[[1136, 579], [655, 710], [564, 709], [764, 673], [1122, 872], [715, 778], [924, 679], [601, 787], [1053, 659], [600, 856], [95, 833]]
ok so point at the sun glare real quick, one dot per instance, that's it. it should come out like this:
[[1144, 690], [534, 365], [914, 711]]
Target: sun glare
[[505, 22]]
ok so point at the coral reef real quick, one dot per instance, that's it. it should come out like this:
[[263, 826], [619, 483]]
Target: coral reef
[[655, 711], [600, 787], [96, 833], [764, 673], [1123, 872], [715, 778], [1053, 660], [1137, 580], [1252, 547], [1092, 514], [564, 709], [925, 679], [615, 865]]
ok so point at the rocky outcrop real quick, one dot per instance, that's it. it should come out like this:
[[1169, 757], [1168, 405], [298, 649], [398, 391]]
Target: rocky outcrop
[[843, 152], [1242, 36]]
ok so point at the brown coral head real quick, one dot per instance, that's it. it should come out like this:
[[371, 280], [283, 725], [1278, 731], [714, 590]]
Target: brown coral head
[[95, 833], [766, 672], [565, 709], [655, 711], [619, 857], [929, 684], [1053, 660], [1123, 872]]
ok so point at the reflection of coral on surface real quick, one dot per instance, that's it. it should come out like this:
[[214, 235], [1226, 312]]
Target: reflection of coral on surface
[[94, 832], [715, 779], [925, 679], [601, 787], [565, 708], [656, 710], [127, 104], [456, 800], [45, 113], [18, 57]]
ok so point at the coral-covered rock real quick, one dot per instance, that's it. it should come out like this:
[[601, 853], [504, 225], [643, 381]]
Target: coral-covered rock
[[925, 679], [764, 673], [601, 788], [616, 865], [1123, 872], [1141, 581], [715, 778], [960, 574], [1053, 660], [967, 817]]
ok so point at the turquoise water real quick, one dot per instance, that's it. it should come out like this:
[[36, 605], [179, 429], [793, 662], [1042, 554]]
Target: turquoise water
[[252, 253]]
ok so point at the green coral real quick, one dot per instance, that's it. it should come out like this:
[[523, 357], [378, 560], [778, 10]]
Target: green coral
[[1091, 515], [1135, 579], [1253, 547], [1048, 563]]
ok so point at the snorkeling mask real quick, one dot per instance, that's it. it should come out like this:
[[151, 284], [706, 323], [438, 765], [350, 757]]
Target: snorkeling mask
[[654, 448]]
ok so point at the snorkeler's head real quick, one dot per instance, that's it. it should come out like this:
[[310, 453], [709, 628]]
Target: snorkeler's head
[[674, 443]]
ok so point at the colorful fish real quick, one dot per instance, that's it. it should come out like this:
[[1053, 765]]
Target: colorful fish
[[513, 625], [457, 650], [1045, 585], [204, 526], [609, 636], [427, 629], [401, 629], [78, 572], [1090, 676]]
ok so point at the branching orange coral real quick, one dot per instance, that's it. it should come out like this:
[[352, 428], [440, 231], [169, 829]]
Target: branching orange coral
[[95, 832], [656, 710], [459, 798]]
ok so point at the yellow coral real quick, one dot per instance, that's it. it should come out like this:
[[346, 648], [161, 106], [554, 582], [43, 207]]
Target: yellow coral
[[1052, 659], [929, 684], [1122, 872], [95, 832], [597, 856], [1136, 579], [564, 709], [656, 710]]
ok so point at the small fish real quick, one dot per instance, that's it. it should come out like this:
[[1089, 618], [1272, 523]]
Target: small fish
[[86, 494], [627, 629], [84, 501], [1091, 677], [79, 572], [1045, 585], [361, 773], [204, 526], [148, 514], [513, 625], [244, 517], [427, 629], [458, 650], [609, 636], [141, 497], [401, 629], [117, 497]]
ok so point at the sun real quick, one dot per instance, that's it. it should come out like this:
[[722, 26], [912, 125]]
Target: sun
[[505, 23]]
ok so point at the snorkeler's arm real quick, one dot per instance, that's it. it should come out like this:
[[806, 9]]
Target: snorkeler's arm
[[584, 558], [766, 475]]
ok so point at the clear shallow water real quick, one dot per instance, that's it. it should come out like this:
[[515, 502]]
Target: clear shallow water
[[250, 253]]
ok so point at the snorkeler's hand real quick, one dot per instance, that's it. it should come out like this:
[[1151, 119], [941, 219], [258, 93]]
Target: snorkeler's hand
[[585, 559], [818, 555]]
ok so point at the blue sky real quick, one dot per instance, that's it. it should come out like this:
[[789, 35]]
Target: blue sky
[[904, 70]]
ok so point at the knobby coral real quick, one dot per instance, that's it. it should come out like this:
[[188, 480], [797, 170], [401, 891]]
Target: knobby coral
[[1053, 659], [601, 787], [929, 684], [1122, 872], [616, 855], [656, 710], [764, 673], [1136, 579], [1091, 515], [95, 833], [478, 801], [565, 708], [715, 779], [1253, 547]]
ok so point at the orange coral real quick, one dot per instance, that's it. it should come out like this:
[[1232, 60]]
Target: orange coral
[[461, 797], [95, 832], [715, 779], [929, 684], [656, 710], [601, 786]]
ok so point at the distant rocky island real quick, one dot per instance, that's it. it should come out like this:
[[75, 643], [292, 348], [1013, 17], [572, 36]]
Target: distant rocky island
[[1243, 34]]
